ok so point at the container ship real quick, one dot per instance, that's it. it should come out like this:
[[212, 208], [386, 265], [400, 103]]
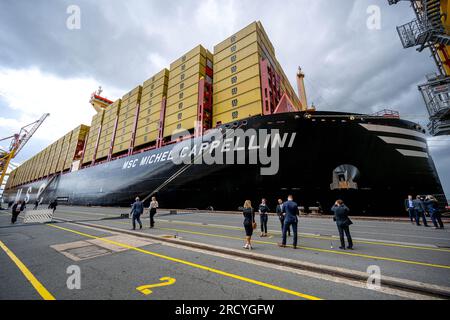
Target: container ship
[[219, 128]]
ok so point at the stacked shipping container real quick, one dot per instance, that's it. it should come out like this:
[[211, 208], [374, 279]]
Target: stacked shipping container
[[76, 145], [248, 81], [237, 75], [127, 120], [154, 91], [108, 126], [52, 159], [92, 140], [183, 91]]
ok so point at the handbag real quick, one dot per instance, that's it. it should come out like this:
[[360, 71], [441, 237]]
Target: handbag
[[254, 225], [348, 222]]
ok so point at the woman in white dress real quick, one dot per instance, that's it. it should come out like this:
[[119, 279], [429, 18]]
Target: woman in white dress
[[153, 206]]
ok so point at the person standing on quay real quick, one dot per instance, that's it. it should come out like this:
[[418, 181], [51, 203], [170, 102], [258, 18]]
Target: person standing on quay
[[153, 206], [431, 205], [249, 223], [23, 206], [136, 210], [15, 210], [343, 223], [419, 207], [36, 204], [263, 215], [409, 207], [53, 205], [290, 208], [280, 215]]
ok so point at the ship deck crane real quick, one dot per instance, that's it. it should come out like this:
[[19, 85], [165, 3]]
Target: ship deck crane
[[18, 141]]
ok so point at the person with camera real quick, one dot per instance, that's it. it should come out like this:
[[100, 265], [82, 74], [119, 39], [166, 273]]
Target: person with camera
[[343, 223], [431, 205]]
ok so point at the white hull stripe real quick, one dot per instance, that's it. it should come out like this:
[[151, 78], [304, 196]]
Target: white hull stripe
[[380, 128], [412, 153], [405, 142]]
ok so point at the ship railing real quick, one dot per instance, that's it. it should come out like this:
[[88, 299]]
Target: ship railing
[[436, 94], [414, 33], [387, 113]]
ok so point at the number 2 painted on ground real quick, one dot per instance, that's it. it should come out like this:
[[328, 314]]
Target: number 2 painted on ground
[[167, 281]]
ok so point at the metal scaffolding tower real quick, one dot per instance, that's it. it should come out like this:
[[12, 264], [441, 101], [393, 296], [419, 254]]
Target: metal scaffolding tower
[[428, 30]]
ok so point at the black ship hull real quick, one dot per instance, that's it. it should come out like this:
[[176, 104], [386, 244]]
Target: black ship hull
[[370, 163]]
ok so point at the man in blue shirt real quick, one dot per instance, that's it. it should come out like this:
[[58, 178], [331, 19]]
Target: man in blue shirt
[[290, 211], [136, 210], [409, 207]]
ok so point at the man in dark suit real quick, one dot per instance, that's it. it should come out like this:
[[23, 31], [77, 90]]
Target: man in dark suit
[[343, 223], [281, 216], [15, 211], [136, 211], [409, 207], [290, 210], [419, 208]]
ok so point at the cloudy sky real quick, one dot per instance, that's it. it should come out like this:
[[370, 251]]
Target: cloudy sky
[[47, 67]]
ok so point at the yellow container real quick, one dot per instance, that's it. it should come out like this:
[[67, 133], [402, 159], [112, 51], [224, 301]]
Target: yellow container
[[153, 93], [186, 124], [246, 81], [236, 47], [146, 119], [181, 115], [123, 131], [188, 66], [147, 138], [151, 110], [265, 39], [238, 78], [238, 114], [228, 93], [199, 50], [136, 91], [121, 147], [102, 154], [147, 129], [152, 99], [238, 101], [251, 28], [241, 65], [182, 95], [187, 103], [156, 79], [187, 83], [150, 107], [236, 57]]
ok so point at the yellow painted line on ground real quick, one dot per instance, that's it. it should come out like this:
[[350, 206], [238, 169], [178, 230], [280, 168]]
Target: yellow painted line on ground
[[194, 265], [378, 243], [318, 249], [27, 273]]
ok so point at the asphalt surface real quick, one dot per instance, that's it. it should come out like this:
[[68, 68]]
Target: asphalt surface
[[400, 249]]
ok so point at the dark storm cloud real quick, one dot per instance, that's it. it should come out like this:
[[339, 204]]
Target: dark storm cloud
[[121, 43], [110, 46]]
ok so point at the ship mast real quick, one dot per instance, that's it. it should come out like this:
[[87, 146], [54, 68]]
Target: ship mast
[[301, 88]]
